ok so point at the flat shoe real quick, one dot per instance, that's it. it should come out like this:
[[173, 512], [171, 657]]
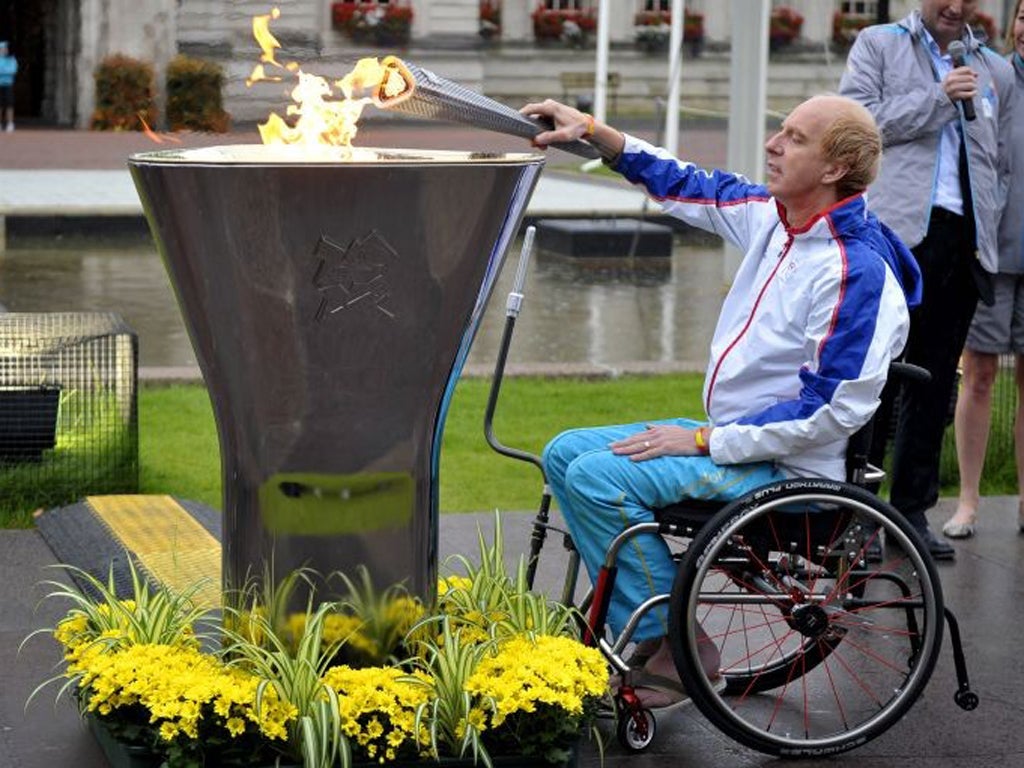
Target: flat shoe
[[667, 692], [953, 530], [657, 691]]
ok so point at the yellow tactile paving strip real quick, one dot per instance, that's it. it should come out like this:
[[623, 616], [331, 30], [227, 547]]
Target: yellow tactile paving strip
[[166, 540]]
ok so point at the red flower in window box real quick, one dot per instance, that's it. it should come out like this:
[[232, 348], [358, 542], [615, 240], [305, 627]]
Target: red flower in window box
[[385, 24], [550, 24]]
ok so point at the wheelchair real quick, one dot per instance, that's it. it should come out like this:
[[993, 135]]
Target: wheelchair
[[823, 647]]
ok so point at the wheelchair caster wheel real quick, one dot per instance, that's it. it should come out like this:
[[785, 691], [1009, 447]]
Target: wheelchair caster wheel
[[636, 729], [966, 700]]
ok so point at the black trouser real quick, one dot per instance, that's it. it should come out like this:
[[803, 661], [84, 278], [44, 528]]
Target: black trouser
[[938, 330]]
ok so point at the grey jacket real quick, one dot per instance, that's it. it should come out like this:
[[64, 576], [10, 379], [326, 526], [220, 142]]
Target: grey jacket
[[890, 71], [1011, 227]]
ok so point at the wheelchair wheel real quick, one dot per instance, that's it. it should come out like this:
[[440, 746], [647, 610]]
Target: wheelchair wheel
[[636, 731], [821, 651]]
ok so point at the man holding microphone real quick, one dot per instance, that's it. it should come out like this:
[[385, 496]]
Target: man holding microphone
[[942, 102]]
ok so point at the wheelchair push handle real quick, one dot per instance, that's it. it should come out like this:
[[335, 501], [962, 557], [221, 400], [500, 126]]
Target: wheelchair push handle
[[910, 372], [515, 297]]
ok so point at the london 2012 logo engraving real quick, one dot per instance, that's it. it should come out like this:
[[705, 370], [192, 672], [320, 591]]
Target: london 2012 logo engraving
[[354, 276]]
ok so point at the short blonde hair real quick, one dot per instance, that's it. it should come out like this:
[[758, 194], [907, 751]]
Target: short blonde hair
[[853, 139]]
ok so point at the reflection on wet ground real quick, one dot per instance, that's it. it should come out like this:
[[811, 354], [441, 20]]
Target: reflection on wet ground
[[571, 313]]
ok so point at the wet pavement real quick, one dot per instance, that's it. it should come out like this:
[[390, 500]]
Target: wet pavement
[[983, 587], [571, 314]]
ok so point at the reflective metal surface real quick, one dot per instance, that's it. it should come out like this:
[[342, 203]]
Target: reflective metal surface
[[331, 306]]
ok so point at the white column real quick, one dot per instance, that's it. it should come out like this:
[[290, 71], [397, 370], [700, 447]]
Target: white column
[[675, 61], [748, 85], [817, 20], [515, 20], [620, 16], [601, 68]]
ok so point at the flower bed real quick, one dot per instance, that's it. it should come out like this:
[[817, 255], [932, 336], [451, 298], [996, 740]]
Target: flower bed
[[491, 672]]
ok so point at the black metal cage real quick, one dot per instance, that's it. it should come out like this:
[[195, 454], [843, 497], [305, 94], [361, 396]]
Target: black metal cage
[[68, 409]]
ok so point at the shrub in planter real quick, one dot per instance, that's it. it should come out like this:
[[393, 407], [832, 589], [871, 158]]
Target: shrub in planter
[[125, 95], [194, 99]]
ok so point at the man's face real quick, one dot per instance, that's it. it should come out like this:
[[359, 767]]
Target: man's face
[[945, 19], [796, 164]]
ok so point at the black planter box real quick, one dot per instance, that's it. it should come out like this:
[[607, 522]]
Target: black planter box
[[605, 238], [28, 422]]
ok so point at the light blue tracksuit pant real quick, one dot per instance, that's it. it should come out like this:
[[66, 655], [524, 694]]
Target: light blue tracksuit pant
[[601, 494]]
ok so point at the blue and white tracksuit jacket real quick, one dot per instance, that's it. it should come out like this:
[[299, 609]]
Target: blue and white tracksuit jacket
[[798, 361]]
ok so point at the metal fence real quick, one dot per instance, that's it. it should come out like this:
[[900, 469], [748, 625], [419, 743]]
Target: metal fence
[[999, 473], [68, 408]]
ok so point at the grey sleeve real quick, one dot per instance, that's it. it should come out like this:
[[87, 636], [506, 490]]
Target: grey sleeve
[[1005, 83]]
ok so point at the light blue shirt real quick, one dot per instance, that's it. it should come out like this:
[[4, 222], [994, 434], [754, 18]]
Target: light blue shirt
[[947, 192], [8, 69]]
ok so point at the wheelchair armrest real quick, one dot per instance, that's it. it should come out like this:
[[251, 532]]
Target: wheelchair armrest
[[910, 372]]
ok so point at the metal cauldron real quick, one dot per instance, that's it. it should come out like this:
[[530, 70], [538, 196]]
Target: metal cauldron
[[331, 303]]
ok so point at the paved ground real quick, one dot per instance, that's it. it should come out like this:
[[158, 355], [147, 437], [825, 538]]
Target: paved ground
[[983, 587], [81, 173]]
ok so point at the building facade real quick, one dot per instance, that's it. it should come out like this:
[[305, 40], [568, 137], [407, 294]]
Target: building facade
[[59, 43]]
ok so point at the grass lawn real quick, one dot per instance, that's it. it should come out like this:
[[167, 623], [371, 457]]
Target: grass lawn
[[179, 453]]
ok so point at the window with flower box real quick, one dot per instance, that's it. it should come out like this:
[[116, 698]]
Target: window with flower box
[[382, 22], [860, 7], [571, 21], [784, 26], [490, 18]]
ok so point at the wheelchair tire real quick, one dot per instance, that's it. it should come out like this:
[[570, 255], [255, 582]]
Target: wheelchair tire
[[821, 652], [636, 736]]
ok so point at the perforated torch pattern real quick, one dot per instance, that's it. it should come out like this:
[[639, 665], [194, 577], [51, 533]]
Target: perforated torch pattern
[[437, 98]]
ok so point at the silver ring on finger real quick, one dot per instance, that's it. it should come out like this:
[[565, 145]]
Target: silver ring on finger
[[647, 443]]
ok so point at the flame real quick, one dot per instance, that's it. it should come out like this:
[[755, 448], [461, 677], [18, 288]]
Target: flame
[[153, 136], [321, 119]]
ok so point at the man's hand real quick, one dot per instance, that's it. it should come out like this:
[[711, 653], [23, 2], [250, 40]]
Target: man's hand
[[961, 84], [659, 440], [570, 124]]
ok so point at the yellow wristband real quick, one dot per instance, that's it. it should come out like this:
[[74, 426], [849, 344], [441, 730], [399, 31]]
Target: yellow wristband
[[700, 437], [591, 126]]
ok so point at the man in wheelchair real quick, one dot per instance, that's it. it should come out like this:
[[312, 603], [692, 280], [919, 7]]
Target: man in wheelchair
[[799, 356]]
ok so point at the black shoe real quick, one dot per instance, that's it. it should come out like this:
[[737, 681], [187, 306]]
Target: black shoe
[[939, 549]]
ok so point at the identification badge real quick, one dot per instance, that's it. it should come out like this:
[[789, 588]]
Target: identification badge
[[986, 103]]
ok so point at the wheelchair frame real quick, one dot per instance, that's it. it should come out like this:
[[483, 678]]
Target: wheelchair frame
[[812, 659]]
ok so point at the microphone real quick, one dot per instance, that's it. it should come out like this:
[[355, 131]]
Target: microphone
[[957, 52]]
